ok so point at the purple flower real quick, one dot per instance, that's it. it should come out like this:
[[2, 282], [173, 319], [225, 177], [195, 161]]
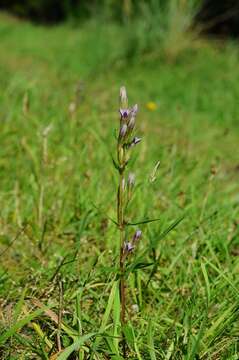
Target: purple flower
[[132, 115], [137, 236], [124, 113], [128, 247]]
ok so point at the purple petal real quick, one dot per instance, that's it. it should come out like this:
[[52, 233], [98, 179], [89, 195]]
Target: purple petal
[[128, 247], [124, 113], [137, 235]]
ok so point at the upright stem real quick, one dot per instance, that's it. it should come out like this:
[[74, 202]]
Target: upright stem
[[122, 238], [121, 224], [124, 143]]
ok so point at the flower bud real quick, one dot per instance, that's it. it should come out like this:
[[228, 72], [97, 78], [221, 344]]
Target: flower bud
[[135, 141], [123, 131], [123, 97], [134, 110], [130, 185], [121, 155], [137, 236], [124, 113], [128, 247], [123, 184], [131, 123]]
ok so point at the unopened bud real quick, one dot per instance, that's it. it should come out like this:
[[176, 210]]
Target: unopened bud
[[123, 131], [123, 97], [137, 236], [123, 184], [134, 110], [128, 247], [121, 155], [131, 123], [135, 141]]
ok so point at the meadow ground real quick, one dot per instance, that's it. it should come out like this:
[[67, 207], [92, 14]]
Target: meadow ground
[[59, 113]]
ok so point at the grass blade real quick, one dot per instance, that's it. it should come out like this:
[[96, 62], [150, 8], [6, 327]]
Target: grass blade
[[74, 347], [141, 222], [116, 319], [20, 324], [106, 314], [170, 228], [19, 305], [150, 339]]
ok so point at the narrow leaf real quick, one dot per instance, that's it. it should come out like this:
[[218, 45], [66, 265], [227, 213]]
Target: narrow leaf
[[204, 271], [106, 314], [141, 222], [116, 319]]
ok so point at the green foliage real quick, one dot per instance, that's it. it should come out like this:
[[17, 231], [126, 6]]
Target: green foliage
[[141, 27], [163, 25]]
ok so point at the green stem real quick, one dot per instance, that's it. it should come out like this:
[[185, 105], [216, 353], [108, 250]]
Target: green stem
[[121, 224], [122, 238]]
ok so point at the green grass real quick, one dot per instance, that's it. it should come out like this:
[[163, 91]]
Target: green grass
[[58, 190]]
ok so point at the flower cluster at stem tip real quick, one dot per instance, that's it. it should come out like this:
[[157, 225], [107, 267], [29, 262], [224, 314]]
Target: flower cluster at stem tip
[[127, 125]]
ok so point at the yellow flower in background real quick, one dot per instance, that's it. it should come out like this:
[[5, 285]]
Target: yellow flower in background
[[151, 105]]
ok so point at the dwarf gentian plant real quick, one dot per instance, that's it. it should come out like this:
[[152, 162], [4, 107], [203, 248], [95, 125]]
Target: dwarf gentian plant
[[125, 144]]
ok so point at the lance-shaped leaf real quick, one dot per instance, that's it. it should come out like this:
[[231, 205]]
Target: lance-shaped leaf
[[146, 221]]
